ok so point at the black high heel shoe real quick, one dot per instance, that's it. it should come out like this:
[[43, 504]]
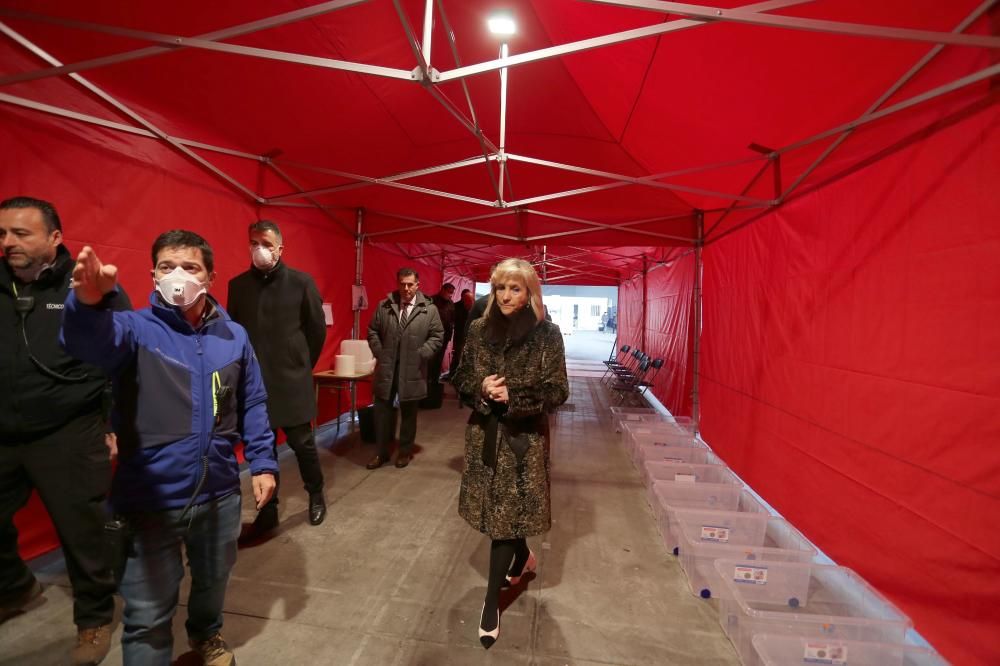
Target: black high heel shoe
[[488, 638]]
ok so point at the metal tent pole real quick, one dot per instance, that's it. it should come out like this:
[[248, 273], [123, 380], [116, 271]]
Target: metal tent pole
[[358, 280], [428, 31], [645, 280], [696, 360], [501, 154]]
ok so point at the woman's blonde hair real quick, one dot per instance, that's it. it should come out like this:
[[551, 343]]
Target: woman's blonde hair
[[517, 269]]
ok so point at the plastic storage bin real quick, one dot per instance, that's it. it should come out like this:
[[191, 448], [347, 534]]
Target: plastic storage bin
[[705, 535], [772, 650], [629, 429], [681, 423], [664, 498], [634, 436], [666, 493], [803, 599], [677, 454], [621, 415], [691, 473]]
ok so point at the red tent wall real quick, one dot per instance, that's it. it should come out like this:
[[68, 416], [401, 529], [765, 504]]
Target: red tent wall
[[118, 193], [668, 326], [850, 375]]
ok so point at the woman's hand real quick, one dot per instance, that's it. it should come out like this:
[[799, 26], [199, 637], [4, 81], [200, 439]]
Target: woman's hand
[[494, 388]]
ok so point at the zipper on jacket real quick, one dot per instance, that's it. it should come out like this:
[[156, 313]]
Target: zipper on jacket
[[203, 435]]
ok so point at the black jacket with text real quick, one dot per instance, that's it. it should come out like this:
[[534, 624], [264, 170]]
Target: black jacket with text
[[32, 402]]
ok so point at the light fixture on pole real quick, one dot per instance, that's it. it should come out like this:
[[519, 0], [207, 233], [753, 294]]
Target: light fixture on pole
[[501, 23]]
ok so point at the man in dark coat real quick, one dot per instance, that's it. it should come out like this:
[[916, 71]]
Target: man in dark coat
[[405, 332], [52, 429], [462, 310], [282, 311], [478, 310], [446, 310]]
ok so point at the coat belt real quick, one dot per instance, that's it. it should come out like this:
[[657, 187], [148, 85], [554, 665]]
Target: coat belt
[[516, 428]]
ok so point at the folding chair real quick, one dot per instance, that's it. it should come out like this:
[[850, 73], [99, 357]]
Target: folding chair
[[630, 385], [612, 361]]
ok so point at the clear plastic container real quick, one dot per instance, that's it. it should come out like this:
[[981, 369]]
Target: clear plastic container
[[664, 498], [636, 435], [705, 535], [773, 650], [682, 472], [803, 599], [621, 415], [665, 495], [677, 454], [681, 423]]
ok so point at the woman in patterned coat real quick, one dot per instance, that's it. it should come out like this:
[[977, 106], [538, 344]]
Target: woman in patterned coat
[[512, 373]]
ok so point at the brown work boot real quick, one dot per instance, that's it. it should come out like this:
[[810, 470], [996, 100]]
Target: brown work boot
[[214, 651], [92, 645]]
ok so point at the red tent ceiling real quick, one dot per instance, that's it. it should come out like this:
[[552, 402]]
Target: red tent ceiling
[[615, 149]]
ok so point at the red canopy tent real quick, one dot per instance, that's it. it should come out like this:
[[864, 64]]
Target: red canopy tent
[[797, 200]]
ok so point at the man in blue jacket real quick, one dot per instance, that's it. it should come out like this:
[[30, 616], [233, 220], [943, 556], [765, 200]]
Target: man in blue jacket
[[188, 388]]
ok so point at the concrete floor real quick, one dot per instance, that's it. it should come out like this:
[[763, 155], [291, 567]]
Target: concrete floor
[[394, 576], [588, 345]]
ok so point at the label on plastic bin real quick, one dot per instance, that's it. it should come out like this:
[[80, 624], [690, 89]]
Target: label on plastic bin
[[632, 417], [750, 575], [825, 653], [685, 478], [714, 533], [667, 459]]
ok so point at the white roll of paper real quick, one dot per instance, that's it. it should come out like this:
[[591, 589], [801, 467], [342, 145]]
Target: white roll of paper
[[344, 365]]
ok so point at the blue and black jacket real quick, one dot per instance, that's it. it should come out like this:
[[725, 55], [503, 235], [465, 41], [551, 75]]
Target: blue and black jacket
[[183, 399]]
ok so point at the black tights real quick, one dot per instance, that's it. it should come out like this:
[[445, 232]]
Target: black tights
[[507, 557]]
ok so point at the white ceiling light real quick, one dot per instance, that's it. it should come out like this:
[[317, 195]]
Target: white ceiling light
[[502, 23]]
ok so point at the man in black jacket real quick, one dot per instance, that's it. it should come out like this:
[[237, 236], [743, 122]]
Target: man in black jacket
[[52, 430], [282, 311]]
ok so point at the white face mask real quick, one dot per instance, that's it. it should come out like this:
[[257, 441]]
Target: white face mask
[[180, 288], [262, 258]]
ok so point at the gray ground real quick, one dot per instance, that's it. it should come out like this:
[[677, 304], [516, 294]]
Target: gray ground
[[394, 576]]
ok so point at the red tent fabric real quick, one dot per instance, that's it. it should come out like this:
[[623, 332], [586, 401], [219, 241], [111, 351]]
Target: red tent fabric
[[822, 151]]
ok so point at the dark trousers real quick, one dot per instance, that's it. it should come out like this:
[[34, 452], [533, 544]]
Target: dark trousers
[[385, 419], [71, 470], [434, 367], [302, 440]]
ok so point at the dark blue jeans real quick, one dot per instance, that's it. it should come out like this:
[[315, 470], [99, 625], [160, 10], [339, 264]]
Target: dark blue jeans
[[154, 570]]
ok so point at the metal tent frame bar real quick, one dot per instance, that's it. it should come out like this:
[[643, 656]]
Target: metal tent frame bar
[[428, 77]]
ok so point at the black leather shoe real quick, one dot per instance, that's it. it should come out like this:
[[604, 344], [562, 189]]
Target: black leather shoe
[[376, 462], [317, 508], [402, 460]]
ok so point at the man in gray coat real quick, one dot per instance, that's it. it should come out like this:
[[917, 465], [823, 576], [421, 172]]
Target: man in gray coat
[[405, 333]]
